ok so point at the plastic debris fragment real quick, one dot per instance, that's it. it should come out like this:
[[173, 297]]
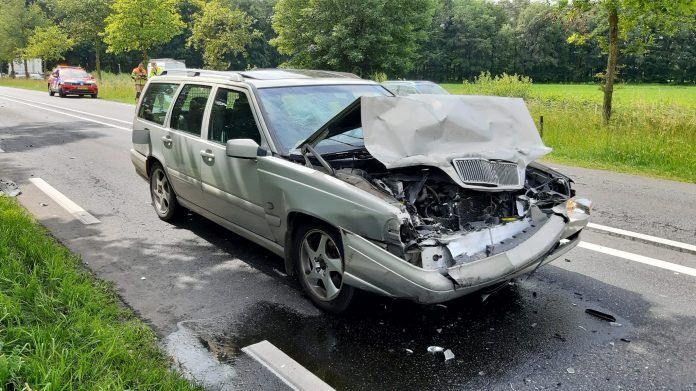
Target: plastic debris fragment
[[615, 324], [409, 351], [601, 315], [8, 188], [435, 349], [449, 355], [570, 370]]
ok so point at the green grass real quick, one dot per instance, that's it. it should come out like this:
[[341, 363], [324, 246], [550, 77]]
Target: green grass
[[115, 87], [60, 329], [652, 131]]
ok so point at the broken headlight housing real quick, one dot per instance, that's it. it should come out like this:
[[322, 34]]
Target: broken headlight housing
[[578, 205]]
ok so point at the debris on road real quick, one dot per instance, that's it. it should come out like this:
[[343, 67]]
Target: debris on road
[[449, 355], [559, 337], [409, 351], [435, 349], [534, 325], [570, 370], [625, 339], [439, 331], [601, 315], [143, 278], [43, 204], [8, 188], [615, 324]]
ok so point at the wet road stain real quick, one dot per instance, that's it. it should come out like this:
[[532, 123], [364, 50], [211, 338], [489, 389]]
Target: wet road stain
[[367, 349]]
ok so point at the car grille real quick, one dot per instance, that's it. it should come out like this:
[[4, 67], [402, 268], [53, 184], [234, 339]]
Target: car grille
[[484, 172]]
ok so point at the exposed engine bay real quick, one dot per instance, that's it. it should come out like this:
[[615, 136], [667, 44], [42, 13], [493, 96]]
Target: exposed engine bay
[[448, 224]]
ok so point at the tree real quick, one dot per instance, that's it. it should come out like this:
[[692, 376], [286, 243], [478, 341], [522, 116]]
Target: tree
[[221, 32], [365, 37], [48, 43], [17, 23], [71, 16], [136, 25], [623, 17]]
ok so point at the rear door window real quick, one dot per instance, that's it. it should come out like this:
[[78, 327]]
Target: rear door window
[[156, 102], [187, 113], [231, 118]]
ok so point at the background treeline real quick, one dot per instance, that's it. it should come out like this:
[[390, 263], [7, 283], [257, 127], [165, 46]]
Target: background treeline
[[440, 40]]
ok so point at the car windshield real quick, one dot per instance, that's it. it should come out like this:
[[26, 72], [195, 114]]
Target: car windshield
[[76, 73], [431, 88], [294, 113]]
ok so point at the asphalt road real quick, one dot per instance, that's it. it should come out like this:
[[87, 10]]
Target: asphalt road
[[230, 292]]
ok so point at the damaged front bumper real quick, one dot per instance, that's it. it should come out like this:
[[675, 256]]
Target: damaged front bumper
[[370, 267]]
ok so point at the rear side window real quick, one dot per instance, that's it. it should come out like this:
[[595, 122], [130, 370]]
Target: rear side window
[[156, 102], [187, 114], [231, 117]]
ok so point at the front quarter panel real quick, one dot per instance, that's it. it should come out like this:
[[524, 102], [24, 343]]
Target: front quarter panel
[[290, 187]]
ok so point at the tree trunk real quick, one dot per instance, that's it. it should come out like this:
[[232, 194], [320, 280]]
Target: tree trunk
[[12, 70], [611, 64], [26, 69], [97, 58]]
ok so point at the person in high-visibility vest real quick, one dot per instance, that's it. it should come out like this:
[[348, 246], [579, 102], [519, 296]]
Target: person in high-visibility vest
[[139, 76], [154, 70]]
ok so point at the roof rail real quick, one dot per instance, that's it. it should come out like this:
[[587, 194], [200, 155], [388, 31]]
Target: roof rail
[[229, 75]]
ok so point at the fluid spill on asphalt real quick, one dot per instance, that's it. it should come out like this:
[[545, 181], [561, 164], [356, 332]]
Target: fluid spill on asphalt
[[367, 348]]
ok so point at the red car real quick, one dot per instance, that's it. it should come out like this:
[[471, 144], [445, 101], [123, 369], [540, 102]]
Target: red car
[[66, 80]]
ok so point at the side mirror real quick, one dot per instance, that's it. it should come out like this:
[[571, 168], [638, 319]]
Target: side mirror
[[244, 148]]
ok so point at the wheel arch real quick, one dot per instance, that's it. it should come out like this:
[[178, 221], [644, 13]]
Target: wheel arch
[[294, 220]]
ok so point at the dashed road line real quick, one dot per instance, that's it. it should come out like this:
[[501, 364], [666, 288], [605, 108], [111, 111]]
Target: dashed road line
[[76, 111], [679, 246], [639, 258], [64, 201], [68, 114]]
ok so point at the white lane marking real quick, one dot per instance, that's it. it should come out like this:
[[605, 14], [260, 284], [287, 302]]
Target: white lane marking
[[649, 238], [78, 111], [1, 151], [639, 258], [68, 114], [64, 201]]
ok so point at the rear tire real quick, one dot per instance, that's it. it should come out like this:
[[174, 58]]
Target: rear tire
[[94, 96], [317, 252], [162, 194]]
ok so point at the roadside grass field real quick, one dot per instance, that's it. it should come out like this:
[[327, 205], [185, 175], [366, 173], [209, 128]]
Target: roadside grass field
[[652, 130], [62, 329]]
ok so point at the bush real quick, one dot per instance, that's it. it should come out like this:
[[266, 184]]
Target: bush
[[501, 85]]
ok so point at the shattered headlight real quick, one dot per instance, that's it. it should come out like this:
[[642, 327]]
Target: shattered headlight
[[578, 205]]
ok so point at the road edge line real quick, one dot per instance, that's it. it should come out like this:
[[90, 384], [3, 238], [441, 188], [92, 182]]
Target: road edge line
[[639, 258], [284, 367], [639, 237], [68, 114], [73, 110], [74, 209]]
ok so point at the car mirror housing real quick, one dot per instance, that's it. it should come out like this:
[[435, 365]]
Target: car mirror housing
[[244, 148]]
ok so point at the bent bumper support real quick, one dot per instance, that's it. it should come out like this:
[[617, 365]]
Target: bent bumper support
[[369, 267]]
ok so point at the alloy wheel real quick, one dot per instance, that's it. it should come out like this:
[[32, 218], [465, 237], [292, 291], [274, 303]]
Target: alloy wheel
[[322, 266]]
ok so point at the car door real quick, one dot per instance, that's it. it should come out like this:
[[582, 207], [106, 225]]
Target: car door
[[231, 185], [181, 141]]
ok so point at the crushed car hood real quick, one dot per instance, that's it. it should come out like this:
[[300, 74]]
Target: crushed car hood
[[433, 130]]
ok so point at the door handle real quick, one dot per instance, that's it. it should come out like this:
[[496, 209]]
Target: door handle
[[207, 154], [167, 141]]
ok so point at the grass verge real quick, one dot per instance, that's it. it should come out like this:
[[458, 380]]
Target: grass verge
[[62, 330], [652, 131]]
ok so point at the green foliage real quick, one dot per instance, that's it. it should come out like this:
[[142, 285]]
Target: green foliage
[[48, 43], [136, 25], [379, 77], [59, 328], [501, 85], [359, 37], [221, 32], [18, 22]]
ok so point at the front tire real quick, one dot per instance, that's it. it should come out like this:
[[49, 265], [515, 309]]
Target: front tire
[[61, 93], [50, 91], [162, 194], [318, 255]]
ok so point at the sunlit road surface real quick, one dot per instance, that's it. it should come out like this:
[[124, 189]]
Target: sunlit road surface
[[637, 263]]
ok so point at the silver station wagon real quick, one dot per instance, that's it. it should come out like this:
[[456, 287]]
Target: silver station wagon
[[423, 197]]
